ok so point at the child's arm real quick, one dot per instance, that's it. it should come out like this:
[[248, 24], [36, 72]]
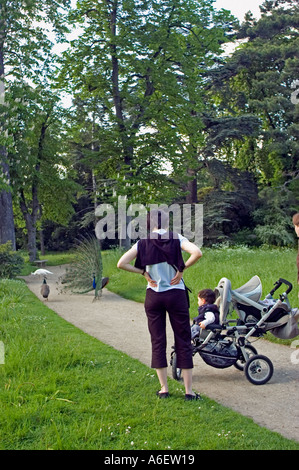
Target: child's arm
[[209, 318]]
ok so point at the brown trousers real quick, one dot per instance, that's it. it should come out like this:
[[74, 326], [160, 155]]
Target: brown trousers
[[173, 301]]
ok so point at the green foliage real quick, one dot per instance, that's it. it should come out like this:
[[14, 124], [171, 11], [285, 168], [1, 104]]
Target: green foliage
[[258, 79], [227, 207], [274, 234], [39, 165], [273, 218], [155, 103], [138, 112], [26, 57], [11, 263]]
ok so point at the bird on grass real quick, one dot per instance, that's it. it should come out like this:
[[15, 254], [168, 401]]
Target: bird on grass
[[85, 273], [45, 290]]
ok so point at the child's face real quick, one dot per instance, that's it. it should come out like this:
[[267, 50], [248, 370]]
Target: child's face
[[200, 301], [296, 227]]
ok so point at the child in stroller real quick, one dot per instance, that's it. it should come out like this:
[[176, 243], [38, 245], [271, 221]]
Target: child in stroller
[[208, 312]]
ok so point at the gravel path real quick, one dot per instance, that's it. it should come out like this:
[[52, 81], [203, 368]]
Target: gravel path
[[122, 324]]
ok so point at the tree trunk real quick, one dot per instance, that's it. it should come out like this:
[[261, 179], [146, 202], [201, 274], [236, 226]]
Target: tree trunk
[[30, 221], [31, 233], [7, 228], [31, 216], [127, 147], [42, 242], [41, 235], [191, 197], [32, 249], [118, 106]]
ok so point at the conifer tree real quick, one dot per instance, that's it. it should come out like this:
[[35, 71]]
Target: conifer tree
[[259, 78]]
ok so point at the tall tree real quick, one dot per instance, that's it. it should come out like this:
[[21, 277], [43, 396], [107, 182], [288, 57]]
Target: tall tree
[[7, 230], [39, 166], [142, 62], [24, 51], [258, 79]]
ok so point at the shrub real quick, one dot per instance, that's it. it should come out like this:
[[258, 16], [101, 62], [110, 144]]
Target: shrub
[[11, 262]]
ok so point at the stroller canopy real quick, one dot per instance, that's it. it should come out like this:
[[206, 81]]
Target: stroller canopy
[[224, 297], [251, 290]]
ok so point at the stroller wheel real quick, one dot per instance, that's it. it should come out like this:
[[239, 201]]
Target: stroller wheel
[[176, 372], [250, 350], [259, 369]]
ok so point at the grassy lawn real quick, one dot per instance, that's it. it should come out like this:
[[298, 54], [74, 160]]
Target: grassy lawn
[[53, 259], [62, 389]]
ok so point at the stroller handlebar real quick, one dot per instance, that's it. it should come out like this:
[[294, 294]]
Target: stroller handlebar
[[279, 283]]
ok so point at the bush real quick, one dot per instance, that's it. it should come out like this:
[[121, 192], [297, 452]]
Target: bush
[[273, 218], [11, 263], [275, 234]]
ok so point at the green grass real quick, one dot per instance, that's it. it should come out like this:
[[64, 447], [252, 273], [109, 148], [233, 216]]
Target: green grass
[[53, 259], [62, 389]]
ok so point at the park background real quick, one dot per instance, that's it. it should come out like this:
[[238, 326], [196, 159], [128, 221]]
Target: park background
[[144, 102]]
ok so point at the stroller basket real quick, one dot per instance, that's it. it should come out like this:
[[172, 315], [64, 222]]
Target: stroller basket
[[219, 354]]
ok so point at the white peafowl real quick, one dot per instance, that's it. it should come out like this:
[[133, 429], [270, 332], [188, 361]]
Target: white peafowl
[[45, 290], [41, 272], [85, 273]]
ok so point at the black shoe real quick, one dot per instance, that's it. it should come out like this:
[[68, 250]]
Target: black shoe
[[162, 394], [196, 396]]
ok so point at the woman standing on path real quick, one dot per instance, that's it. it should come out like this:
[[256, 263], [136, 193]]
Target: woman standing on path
[[159, 259]]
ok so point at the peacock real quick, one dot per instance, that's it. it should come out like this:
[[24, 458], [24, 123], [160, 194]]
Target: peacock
[[45, 289], [85, 273]]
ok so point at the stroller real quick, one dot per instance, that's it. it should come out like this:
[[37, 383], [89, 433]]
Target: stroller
[[227, 343]]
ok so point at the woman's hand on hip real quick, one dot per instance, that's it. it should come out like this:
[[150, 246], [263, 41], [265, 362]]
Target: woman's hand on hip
[[151, 281], [176, 279]]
